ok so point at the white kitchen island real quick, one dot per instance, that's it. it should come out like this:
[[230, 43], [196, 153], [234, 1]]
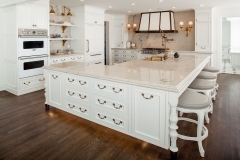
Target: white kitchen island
[[138, 98]]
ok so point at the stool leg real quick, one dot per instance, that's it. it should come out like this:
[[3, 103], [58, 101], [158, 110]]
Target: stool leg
[[211, 108], [199, 132], [206, 117]]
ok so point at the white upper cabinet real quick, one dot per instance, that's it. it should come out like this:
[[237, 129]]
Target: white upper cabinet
[[93, 18], [90, 39], [203, 31], [33, 15], [118, 32]]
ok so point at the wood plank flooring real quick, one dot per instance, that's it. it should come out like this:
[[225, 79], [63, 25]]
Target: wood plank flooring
[[28, 132]]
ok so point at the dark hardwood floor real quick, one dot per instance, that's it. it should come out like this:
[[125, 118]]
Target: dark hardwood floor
[[27, 131]]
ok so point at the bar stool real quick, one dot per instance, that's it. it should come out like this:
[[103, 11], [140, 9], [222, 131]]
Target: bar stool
[[210, 77], [192, 102], [207, 88], [212, 70]]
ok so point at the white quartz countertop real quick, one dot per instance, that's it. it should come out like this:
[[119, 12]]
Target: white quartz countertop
[[169, 75], [137, 49], [59, 55]]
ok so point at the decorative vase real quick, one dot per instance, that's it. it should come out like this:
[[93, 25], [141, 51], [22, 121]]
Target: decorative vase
[[176, 55]]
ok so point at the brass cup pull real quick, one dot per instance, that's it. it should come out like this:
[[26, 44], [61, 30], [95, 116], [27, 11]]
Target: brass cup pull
[[55, 77], [71, 106], [69, 80], [27, 83], [101, 117], [146, 97], [82, 97], [41, 80], [120, 122], [99, 101], [62, 59], [114, 105], [73, 58], [71, 94], [120, 90], [54, 61], [100, 87], [83, 111], [84, 83]]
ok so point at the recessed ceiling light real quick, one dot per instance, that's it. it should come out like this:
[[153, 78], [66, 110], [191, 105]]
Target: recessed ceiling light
[[129, 11], [133, 4], [110, 6], [150, 9], [160, 0], [173, 7], [81, 0], [201, 5]]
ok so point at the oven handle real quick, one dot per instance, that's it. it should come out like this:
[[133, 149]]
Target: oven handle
[[33, 36], [32, 57]]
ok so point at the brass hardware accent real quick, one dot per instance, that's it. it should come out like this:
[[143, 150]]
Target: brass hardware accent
[[101, 117], [132, 56], [98, 63], [96, 55], [84, 83], [99, 101], [71, 94], [54, 61], [69, 13], [27, 83], [83, 110], [82, 97], [72, 58], [69, 80], [41, 79], [117, 107], [52, 11], [100, 87], [88, 45], [63, 42], [79, 57], [116, 91], [55, 77], [188, 29], [146, 97], [120, 122], [70, 106], [63, 28], [62, 59], [132, 28]]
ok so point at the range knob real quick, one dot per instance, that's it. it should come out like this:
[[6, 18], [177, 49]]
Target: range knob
[[33, 32], [28, 32]]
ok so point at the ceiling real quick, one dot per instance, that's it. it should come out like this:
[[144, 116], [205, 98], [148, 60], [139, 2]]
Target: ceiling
[[124, 6]]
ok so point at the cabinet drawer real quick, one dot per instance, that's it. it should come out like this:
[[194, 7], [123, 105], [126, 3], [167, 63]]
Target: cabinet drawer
[[116, 55], [100, 62], [64, 59], [111, 89], [79, 58], [55, 60], [77, 109], [73, 81], [129, 56], [110, 120], [203, 48], [78, 96], [120, 45], [32, 82], [117, 60], [112, 105], [94, 57]]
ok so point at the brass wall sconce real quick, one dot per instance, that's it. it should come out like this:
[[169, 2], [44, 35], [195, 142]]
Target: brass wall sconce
[[132, 28], [188, 29], [52, 11], [69, 13]]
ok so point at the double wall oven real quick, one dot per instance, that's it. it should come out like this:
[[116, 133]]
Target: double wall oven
[[32, 52]]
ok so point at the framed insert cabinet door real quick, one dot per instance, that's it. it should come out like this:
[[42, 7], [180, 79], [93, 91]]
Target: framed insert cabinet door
[[118, 33], [149, 115], [54, 89], [90, 39], [40, 16], [25, 15], [203, 36]]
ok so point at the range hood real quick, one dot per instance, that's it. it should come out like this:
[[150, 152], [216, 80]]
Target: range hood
[[154, 22]]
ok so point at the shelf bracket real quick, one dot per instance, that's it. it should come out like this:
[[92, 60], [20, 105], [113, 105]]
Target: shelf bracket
[[63, 42], [63, 28]]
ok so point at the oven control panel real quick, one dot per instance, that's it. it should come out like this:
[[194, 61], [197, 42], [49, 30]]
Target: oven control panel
[[32, 32]]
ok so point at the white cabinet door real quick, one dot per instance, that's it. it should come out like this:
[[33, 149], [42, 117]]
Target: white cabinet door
[[149, 115], [90, 38], [41, 16], [90, 18], [99, 37], [54, 89], [99, 18], [118, 33], [25, 16], [203, 17], [203, 35]]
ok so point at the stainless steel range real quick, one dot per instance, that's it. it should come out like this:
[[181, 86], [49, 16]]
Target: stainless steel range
[[153, 50]]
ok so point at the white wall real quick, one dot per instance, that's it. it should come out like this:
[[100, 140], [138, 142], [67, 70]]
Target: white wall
[[110, 19], [1, 53], [218, 14]]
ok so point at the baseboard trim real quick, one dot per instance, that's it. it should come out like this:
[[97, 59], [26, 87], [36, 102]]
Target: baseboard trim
[[2, 87], [30, 90]]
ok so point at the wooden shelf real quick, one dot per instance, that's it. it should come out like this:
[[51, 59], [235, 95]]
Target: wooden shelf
[[66, 25], [64, 40]]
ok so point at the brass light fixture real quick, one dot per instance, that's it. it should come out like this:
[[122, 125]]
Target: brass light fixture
[[188, 29], [69, 13], [132, 28], [52, 11]]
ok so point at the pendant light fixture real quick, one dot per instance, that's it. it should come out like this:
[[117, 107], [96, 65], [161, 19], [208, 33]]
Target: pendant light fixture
[[69, 13], [52, 11]]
